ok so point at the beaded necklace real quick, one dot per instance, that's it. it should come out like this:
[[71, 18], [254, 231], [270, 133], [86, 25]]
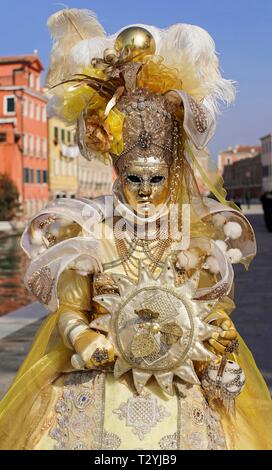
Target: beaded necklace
[[153, 249]]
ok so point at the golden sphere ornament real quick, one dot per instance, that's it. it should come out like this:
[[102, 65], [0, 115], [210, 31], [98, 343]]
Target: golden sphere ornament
[[138, 41]]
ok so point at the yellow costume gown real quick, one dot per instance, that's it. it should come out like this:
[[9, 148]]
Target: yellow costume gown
[[52, 406]]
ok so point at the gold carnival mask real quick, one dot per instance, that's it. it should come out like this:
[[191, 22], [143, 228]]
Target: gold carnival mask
[[145, 185]]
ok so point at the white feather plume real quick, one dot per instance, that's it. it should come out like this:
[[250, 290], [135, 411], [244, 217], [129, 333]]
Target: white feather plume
[[68, 27], [83, 52], [191, 50], [188, 48], [79, 37]]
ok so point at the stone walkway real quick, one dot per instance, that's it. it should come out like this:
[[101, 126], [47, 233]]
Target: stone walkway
[[13, 350], [253, 315], [253, 298]]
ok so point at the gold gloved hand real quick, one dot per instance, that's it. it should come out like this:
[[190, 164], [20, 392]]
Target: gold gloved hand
[[221, 339], [93, 348]]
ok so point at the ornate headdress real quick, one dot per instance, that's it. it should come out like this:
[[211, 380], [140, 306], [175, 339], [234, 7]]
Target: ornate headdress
[[141, 92]]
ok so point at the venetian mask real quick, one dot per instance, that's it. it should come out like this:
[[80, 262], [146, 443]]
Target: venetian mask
[[145, 185]]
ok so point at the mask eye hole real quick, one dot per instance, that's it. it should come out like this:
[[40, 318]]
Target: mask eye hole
[[157, 179], [134, 179]]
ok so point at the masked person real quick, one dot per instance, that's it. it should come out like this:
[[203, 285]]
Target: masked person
[[139, 350]]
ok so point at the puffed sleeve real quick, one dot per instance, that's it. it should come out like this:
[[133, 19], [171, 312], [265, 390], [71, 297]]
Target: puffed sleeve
[[75, 290], [74, 293]]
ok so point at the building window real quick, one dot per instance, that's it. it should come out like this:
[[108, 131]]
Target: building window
[[25, 107], [38, 112], [38, 83], [31, 176], [44, 148], [44, 114], [68, 137], [56, 167], [31, 145], [44, 176], [3, 137], [38, 176], [25, 141], [35, 146], [31, 110], [9, 105], [38, 146], [56, 135], [26, 175], [63, 136], [265, 171], [31, 80]]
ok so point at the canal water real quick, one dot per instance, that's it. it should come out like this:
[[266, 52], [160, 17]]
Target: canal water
[[13, 264]]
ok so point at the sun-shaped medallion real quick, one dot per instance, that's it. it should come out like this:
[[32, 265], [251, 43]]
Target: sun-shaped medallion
[[157, 327]]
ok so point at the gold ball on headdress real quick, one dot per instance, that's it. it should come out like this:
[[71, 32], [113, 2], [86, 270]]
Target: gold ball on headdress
[[137, 40]]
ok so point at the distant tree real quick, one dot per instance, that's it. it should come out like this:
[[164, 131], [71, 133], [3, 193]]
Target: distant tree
[[9, 198]]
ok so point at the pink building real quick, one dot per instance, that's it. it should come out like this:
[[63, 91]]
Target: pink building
[[243, 179], [235, 154], [23, 129]]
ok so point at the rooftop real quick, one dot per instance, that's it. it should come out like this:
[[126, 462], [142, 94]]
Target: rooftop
[[27, 58], [242, 149]]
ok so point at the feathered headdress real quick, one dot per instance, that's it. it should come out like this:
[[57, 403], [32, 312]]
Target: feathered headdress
[[79, 37], [89, 74]]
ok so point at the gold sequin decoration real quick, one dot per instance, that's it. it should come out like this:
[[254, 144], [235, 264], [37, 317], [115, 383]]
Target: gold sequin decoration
[[41, 284], [144, 344]]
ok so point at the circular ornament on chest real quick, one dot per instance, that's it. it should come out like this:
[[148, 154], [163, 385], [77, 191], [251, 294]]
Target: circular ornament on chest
[[157, 327]]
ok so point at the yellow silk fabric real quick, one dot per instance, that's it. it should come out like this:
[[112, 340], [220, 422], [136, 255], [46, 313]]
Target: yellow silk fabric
[[76, 96], [157, 77], [48, 358]]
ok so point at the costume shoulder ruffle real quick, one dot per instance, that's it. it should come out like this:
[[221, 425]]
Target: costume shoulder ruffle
[[229, 240], [244, 240], [60, 237]]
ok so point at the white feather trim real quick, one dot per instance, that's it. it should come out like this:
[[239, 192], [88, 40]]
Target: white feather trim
[[222, 245], [232, 230], [212, 265], [191, 50], [219, 220], [68, 27], [234, 255], [187, 259], [83, 52], [77, 23]]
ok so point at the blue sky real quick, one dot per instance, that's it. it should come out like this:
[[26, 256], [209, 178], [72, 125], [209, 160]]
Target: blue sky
[[242, 30]]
